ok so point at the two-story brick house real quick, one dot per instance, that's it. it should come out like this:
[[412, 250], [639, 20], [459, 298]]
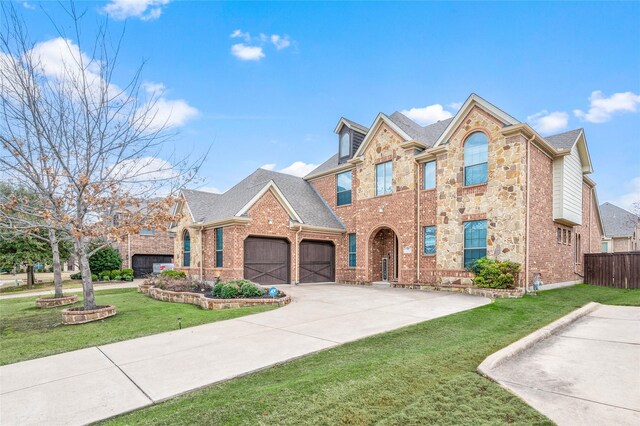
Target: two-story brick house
[[405, 204]]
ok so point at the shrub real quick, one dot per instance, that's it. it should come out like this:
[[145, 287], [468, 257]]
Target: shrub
[[217, 289], [76, 276], [117, 278], [127, 277], [127, 272], [491, 273], [249, 289], [230, 291], [106, 259], [113, 274], [94, 277], [105, 277], [173, 274]]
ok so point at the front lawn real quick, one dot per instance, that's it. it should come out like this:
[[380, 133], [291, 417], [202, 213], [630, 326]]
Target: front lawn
[[27, 332], [422, 374]]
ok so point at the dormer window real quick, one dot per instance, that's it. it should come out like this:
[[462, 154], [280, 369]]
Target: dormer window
[[345, 144]]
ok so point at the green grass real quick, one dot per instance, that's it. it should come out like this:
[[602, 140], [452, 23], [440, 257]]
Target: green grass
[[27, 332], [422, 374]]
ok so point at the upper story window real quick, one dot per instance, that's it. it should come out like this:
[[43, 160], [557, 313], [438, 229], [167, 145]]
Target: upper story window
[[186, 249], [384, 174], [147, 231], [430, 175], [476, 159], [345, 145], [343, 188]]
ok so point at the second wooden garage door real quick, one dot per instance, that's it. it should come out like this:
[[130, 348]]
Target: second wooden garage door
[[266, 260], [317, 262]]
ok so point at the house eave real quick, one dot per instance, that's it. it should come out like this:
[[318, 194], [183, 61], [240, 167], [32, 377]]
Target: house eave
[[431, 153], [221, 222], [316, 229], [341, 168]]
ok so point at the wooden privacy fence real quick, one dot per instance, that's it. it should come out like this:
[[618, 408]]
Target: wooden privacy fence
[[619, 270]]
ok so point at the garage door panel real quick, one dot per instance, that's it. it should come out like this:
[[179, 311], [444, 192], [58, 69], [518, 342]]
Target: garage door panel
[[266, 260], [317, 262], [142, 264]]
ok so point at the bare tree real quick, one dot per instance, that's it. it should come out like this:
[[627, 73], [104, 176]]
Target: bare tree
[[89, 147]]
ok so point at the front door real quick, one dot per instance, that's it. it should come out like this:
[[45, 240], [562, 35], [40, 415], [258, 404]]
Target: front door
[[385, 269]]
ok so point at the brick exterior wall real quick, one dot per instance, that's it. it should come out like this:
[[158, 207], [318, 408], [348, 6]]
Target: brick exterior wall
[[378, 220], [161, 243]]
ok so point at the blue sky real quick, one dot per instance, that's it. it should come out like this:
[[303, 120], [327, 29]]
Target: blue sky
[[266, 83]]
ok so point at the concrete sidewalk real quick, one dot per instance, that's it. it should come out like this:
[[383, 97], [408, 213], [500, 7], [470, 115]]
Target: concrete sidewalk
[[120, 377], [586, 373], [98, 287]]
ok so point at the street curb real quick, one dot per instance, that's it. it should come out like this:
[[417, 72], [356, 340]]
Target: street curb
[[496, 359]]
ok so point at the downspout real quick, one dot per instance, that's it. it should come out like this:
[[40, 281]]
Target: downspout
[[201, 255], [297, 254], [418, 221], [129, 251], [526, 256]]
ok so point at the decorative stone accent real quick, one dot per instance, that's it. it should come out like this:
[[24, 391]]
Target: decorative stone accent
[[204, 302], [78, 316], [52, 302]]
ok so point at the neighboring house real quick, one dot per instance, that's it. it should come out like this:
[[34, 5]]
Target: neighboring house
[[405, 204], [140, 251], [621, 229]]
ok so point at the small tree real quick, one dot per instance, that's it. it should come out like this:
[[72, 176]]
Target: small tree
[[105, 259], [24, 249], [87, 146]]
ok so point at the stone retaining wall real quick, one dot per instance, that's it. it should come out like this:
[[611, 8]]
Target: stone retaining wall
[[493, 293], [70, 316], [204, 302], [52, 302]]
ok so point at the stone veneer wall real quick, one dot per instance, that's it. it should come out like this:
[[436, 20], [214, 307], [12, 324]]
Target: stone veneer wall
[[500, 201]]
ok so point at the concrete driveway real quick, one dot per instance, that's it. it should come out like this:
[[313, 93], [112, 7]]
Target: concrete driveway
[[121, 377], [586, 374]]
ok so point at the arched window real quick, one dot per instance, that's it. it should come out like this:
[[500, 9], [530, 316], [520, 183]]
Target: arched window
[[475, 159], [186, 249], [345, 145]]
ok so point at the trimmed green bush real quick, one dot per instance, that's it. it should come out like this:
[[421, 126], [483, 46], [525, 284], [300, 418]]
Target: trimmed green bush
[[117, 278], [76, 276], [230, 291], [249, 289], [173, 274], [127, 277], [492, 273], [127, 271], [105, 260], [116, 272], [94, 277]]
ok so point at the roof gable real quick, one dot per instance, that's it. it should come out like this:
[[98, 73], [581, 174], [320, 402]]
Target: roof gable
[[271, 186], [617, 221], [473, 100], [567, 141], [380, 119]]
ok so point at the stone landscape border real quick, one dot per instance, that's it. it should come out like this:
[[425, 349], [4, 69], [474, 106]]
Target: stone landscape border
[[492, 293], [204, 302], [71, 316], [54, 302]]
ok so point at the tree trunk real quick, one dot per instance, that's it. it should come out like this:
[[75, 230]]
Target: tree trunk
[[30, 276], [57, 270], [87, 284]]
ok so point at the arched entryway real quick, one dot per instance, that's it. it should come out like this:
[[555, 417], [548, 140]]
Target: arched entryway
[[383, 255]]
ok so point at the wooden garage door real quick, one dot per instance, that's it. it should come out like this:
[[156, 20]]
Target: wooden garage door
[[266, 260], [142, 264], [317, 262]]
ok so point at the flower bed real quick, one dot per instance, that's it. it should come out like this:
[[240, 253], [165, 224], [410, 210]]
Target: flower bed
[[221, 296], [80, 316], [52, 302]]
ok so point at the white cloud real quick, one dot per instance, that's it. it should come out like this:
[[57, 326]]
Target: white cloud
[[247, 53], [427, 115], [28, 5], [145, 10], [455, 105], [212, 189], [601, 108], [144, 169], [166, 113], [299, 168], [268, 166], [280, 42], [239, 34], [546, 122], [631, 199]]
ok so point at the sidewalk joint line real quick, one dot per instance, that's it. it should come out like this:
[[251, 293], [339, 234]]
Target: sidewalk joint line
[[598, 340], [126, 375]]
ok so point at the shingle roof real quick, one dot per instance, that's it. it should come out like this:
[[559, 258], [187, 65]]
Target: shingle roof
[[330, 164], [617, 221], [357, 126], [427, 134], [311, 208], [564, 141], [199, 202]]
